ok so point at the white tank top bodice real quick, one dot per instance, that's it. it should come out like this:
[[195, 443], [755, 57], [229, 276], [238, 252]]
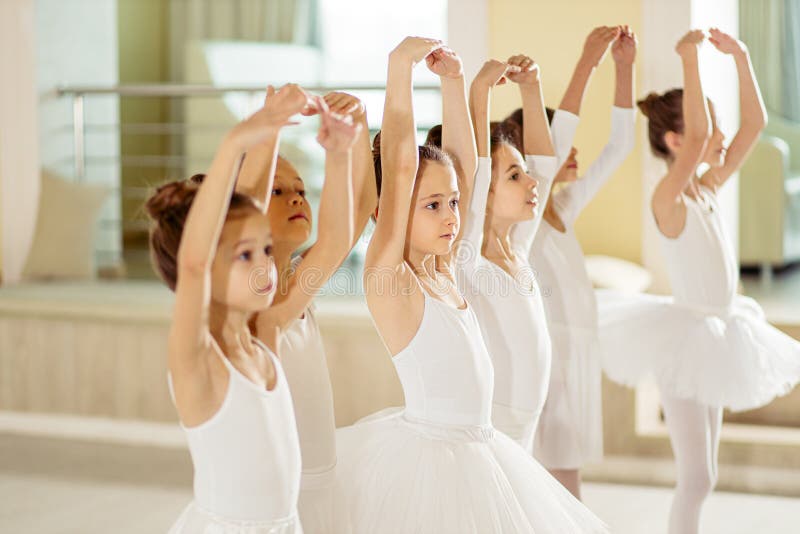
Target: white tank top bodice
[[559, 264], [445, 370], [701, 262], [306, 367], [247, 455]]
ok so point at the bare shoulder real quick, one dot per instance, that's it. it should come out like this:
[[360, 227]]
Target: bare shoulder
[[200, 392], [669, 212], [396, 303]]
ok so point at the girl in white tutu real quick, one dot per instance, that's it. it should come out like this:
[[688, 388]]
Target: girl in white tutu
[[438, 466], [497, 278], [322, 504], [706, 347], [212, 246], [570, 432]]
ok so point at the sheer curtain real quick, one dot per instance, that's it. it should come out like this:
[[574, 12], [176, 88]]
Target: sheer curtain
[[276, 21], [771, 29]]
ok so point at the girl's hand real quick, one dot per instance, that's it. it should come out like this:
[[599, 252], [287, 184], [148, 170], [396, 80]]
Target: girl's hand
[[414, 49], [690, 42], [725, 43], [345, 104], [279, 107], [337, 133], [495, 72], [597, 43], [445, 63], [624, 48], [528, 73]]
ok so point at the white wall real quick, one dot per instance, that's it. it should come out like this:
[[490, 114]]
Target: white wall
[[663, 24], [77, 45]]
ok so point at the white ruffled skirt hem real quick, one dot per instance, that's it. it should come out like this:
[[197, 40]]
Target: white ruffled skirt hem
[[728, 357], [407, 476]]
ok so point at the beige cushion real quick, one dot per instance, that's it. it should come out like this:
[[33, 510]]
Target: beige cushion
[[607, 272], [63, 244]]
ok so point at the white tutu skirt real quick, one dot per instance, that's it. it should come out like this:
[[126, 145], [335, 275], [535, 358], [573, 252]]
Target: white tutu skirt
[[409, 477], [196, 520], [322, 505], [570, 431], [729, 358]]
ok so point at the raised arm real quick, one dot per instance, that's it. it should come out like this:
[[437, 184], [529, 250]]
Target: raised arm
[[491, 74], [189, 335], [696, 127], [753, 114], [571, 200], [666, 208], [538, 147], [399, 154], [364, 192], [335, 229], [258, 168], [594, 50], [458, 139]]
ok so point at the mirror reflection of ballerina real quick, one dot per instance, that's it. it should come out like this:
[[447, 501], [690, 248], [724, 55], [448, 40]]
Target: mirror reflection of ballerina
[[706, 347]]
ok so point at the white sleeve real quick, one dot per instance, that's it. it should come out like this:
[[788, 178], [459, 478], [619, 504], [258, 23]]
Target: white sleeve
[[571, 200], [563, 130], [471, 242], [543, 168]]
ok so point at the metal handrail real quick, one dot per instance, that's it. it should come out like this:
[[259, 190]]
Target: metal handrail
[[166, 90]]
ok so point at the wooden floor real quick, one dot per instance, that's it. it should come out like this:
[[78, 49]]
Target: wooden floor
[[61, 487]]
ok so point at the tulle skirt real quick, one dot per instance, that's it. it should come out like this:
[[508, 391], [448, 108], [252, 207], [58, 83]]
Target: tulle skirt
[[323, 505], [570, 432], [406, 476], [196, 520], [727, 357]]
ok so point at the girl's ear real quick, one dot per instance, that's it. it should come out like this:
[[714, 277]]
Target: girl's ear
[[673, 141]]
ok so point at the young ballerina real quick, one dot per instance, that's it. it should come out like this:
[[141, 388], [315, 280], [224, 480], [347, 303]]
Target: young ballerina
[[707, 347], [499, 285], [212, 246], [570, 432], [322, 505], [438, 466]]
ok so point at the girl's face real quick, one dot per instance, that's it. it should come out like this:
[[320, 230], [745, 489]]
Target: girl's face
[[434, 219], [512, 196], [715, 149], [243, 274], [569, 169], [289, 211]]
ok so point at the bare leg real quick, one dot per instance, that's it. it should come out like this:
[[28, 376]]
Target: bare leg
[[570, 479]]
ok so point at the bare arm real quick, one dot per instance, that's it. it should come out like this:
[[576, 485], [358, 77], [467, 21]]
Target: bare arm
[[399, 155], [458, 139], [491, 74], [594, 50], [364, 192], [665, 203], [538, 147], [189, 335], [753, 114], [335, 229], [258, 168]]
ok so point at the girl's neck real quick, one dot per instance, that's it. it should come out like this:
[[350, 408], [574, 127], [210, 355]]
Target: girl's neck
[[229, 328], [424, 265], [282, 253], [497, 239]]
